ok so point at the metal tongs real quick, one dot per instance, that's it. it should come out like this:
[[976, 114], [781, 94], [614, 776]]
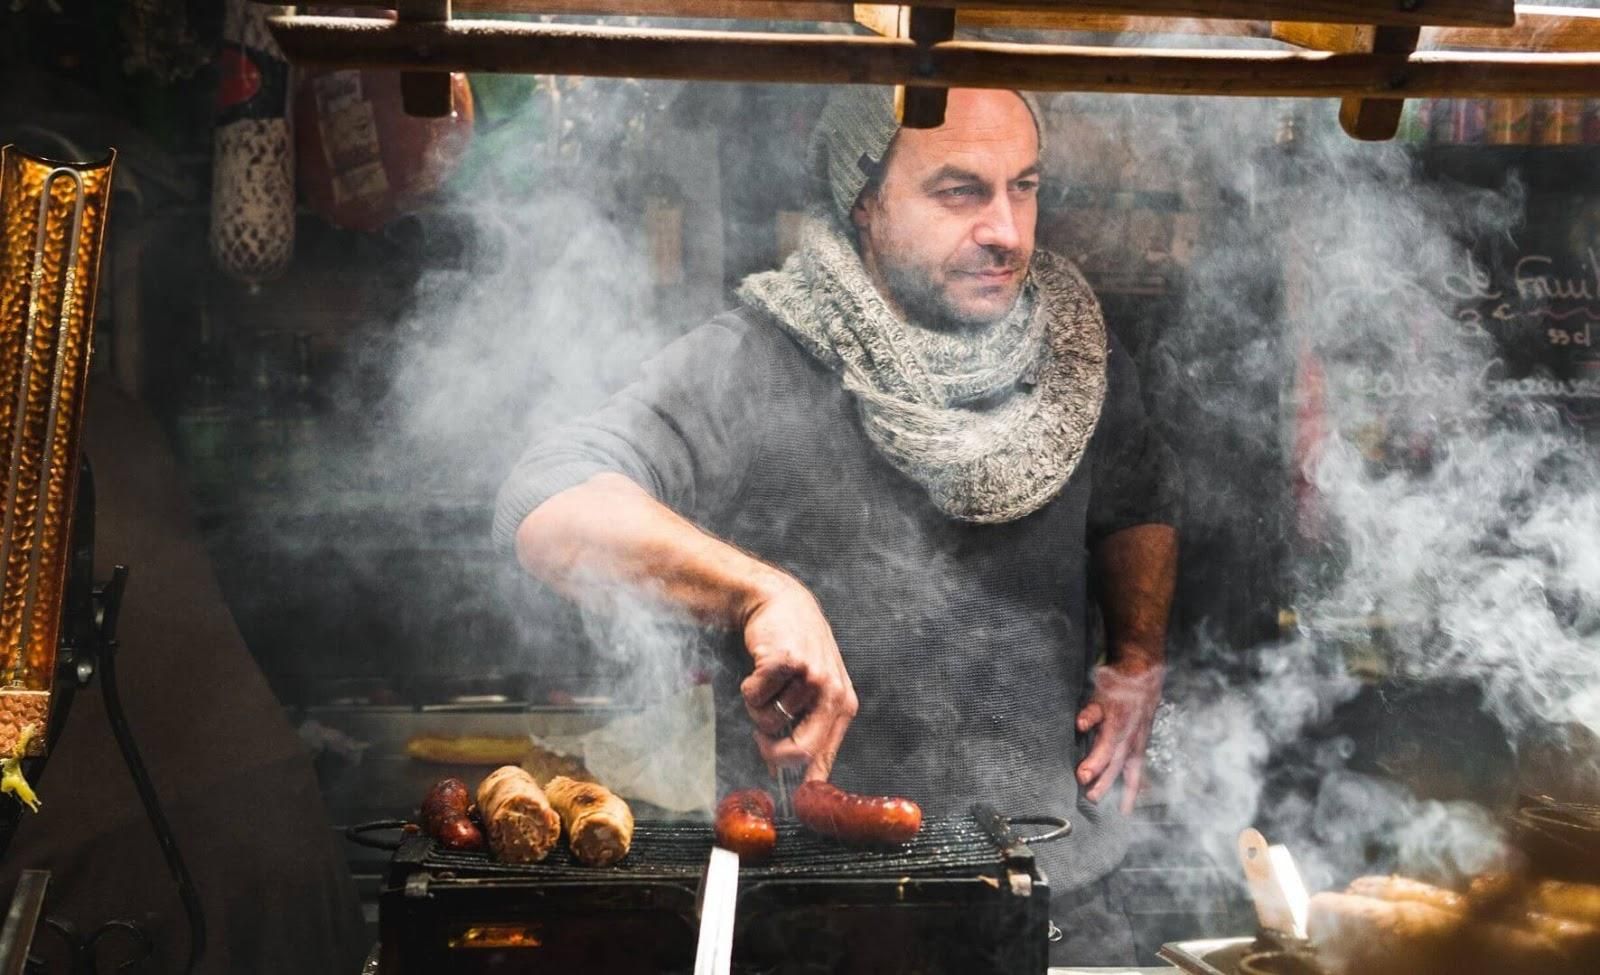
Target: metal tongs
[[718, 896], [716, 901]]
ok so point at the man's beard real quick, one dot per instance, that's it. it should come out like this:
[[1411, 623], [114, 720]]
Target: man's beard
[[926, 304]]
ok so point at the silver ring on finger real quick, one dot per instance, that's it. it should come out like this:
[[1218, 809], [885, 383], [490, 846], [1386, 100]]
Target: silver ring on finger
[[788, 719]]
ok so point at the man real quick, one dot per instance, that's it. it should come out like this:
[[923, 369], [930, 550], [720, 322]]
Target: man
[[882, 475]]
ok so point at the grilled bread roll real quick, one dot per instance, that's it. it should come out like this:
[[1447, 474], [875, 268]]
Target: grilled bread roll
[[1576, 902], [1360, 935], [468, 749], [1365, 935], [1395, 888], [599, 824], [521, 823]]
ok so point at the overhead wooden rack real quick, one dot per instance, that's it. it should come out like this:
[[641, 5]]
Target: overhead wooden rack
[[1373, 54]]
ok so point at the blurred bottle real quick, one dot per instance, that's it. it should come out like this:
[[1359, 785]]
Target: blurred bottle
[[1469, 121], [1510, 121], [1591, 122], [1558, 121], [301, 418], [663, 228], [204, 421], [1414, 120], [266, 422], [1441, 120]]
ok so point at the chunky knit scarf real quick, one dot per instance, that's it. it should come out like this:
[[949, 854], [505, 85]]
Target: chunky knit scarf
[[990, 421]]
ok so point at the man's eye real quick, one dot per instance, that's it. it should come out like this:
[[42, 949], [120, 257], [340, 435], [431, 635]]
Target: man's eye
[[959, 192], [1025, 186]]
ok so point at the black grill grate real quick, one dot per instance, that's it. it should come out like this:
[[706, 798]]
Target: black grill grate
[[680, 850]]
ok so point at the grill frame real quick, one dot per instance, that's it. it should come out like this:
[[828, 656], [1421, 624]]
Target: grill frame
[[966, 896]]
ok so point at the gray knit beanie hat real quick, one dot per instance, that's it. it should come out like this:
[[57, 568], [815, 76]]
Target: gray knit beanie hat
[[852, 136]]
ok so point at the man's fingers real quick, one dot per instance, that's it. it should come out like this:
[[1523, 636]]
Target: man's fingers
[[780, 716], [1095, 762], [1132, 780], [769, 683], [1091, 715], [822, 762], [1105, 759], [1107, 778], [769, 678]]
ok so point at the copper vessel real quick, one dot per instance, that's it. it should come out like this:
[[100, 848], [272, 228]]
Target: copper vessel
[[53, 217]]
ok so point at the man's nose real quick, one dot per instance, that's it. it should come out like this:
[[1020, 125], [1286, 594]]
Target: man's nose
[[997, 225]]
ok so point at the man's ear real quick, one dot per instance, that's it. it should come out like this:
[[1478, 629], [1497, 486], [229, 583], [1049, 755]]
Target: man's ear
[[859, 215]]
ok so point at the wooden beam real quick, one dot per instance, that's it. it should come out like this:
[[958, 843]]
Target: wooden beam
[[538, 48], [1537, 28], [821, 11], [1415, 13], [1106, 23], [1397, 13], [886, 19]]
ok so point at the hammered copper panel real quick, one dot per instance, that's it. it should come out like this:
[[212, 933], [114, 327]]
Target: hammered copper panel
[[21, 710], [46, 326]]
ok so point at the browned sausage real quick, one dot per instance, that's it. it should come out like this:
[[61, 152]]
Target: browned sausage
[[446, 818], [521, 824], [745, 824], [831, 811]]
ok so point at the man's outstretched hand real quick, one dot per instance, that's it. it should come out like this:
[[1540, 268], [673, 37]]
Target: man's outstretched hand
[[1122, 709]]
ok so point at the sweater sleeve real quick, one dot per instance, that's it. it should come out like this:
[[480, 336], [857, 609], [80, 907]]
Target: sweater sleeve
[[686, 431], [1136, 479]]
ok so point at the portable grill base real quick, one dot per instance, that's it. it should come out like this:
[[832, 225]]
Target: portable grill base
[[964, 896]]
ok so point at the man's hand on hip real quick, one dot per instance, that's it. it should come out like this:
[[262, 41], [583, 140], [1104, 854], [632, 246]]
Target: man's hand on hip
[[1121, 710], [798, 695]]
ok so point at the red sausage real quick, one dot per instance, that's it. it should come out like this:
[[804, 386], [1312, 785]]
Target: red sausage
[[445, 816], [868, 820], [745, 824]]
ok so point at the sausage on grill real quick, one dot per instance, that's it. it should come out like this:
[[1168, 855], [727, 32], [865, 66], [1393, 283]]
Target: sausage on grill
[[867, 820], [521, 823], [446, 816], [745, 824], [599, 824]]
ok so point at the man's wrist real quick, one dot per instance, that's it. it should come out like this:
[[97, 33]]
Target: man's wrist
[[760, 587], [1137, 658]]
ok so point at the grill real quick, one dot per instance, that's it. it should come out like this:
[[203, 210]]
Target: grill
[[964, 896]]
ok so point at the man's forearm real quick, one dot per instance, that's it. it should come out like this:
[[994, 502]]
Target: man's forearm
[[608, 532], [1138, 569]]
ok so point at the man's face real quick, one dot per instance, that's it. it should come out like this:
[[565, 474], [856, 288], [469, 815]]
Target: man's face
[[948, 234]]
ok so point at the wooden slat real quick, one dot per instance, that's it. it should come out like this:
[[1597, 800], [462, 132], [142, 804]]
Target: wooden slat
[[1462, 13], [821, 11], [535, 48], [1537, 29], [1107, 23], [886, 19], [1400, 13]]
